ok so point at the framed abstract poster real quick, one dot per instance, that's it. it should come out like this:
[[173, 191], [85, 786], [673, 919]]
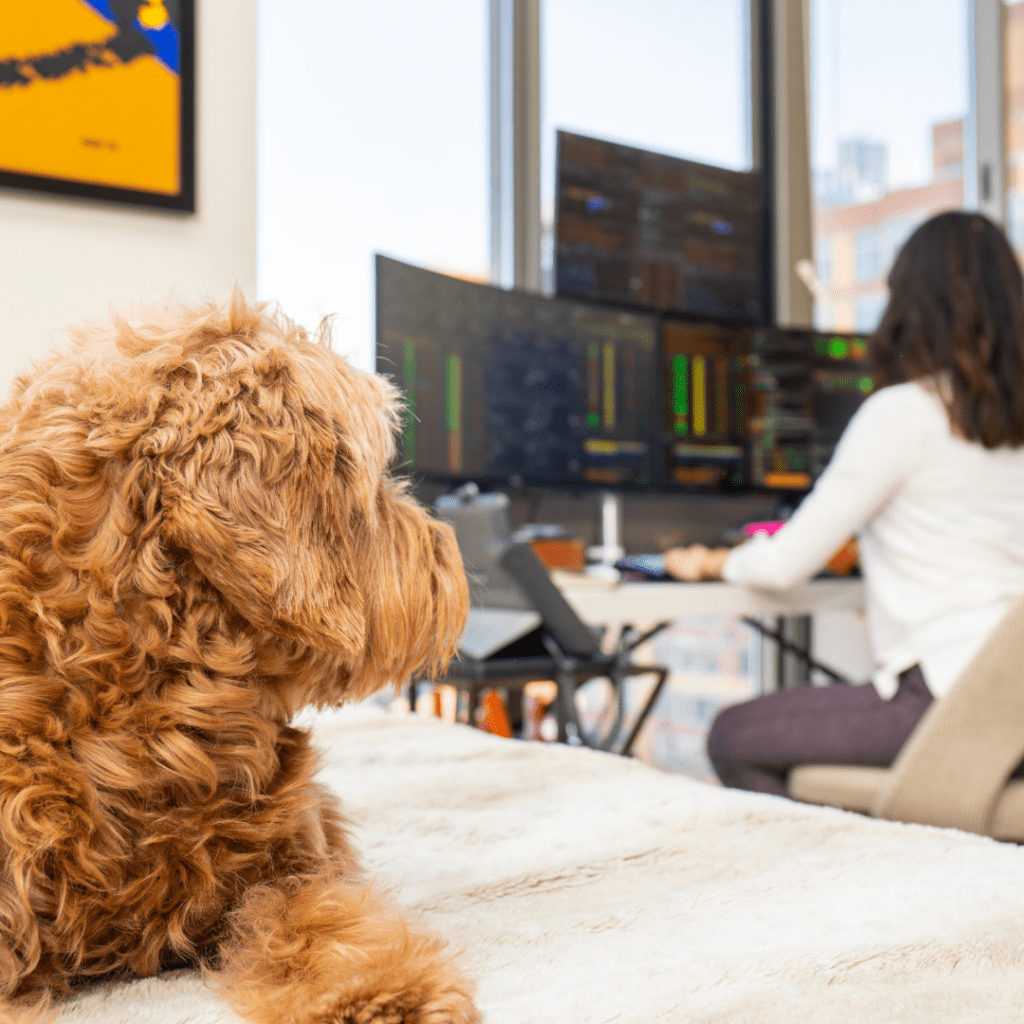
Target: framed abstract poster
[[97, 99]]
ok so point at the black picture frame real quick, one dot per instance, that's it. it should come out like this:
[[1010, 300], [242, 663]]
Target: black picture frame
[[184, 200]]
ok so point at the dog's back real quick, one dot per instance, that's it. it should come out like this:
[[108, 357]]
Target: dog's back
[[197, 537]]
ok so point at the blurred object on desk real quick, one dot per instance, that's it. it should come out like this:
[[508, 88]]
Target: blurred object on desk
[[846, 560], [568, 553], [770, 528], [642, 567], [553, 545]]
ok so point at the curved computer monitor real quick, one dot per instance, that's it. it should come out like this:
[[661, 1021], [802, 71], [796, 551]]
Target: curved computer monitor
[[756, 408], [803, 389], [705, 405], [508, 387], [511, 387]]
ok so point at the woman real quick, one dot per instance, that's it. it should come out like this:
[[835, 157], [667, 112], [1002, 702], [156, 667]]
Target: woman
[[930, 476]]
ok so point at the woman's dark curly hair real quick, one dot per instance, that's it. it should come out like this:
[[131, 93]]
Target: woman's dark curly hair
[[956, 308]]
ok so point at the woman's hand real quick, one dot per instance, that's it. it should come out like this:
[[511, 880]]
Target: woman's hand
[[695, 562]]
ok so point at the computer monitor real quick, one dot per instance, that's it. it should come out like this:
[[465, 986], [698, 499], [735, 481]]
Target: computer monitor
[[803, 388], [751, 408], [705, 416], [643, 228], [510, 387]]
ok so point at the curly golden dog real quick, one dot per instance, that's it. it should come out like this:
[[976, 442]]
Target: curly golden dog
[[198, 537]]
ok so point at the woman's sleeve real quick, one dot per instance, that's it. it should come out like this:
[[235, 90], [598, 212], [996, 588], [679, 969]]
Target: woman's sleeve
[[880, 446]]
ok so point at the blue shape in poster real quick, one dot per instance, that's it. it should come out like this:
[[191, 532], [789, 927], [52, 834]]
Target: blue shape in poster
[[165, 42], [102, 8]]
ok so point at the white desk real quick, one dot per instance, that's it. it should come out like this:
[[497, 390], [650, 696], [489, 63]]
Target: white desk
[[646, 605], [658, 602]]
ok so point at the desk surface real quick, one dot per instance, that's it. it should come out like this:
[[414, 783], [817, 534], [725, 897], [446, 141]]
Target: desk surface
[[659, 602]]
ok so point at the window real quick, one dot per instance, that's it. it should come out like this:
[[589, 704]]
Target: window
[[889, 97], [869, 310], [823, 259], [670, 76], [1013, 113], [372, 137], [868, 244]]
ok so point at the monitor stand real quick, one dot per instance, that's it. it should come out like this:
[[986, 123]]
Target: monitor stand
[[610, 550]]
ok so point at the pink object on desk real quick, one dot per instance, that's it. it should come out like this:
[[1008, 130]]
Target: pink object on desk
[[769, 528]]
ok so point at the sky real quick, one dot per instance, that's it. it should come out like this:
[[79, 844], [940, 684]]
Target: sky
[[886, 70], [373, 136], [667, 75]]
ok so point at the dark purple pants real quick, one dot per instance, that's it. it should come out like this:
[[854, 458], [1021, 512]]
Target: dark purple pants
[[753, 745]]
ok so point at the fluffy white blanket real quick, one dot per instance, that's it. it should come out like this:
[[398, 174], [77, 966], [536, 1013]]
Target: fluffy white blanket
[[585, 889]]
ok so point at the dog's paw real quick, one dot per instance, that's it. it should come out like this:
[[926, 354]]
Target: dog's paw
[[452, 1007]]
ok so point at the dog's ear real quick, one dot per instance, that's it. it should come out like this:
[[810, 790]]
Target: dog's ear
[[260, 489]]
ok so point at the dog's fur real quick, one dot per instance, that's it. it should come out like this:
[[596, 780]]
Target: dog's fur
[[198, 537]]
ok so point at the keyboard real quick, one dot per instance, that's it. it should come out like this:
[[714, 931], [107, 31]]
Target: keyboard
[[651, 567]]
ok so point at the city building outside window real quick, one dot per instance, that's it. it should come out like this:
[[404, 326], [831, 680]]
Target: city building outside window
[[867, 243], [1013, 112], [823, 246], [823, 316], [889, 94], [869, 310]]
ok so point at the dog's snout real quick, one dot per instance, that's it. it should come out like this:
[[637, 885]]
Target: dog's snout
[[420, 593]]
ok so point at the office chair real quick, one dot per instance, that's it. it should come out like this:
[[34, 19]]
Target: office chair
[[955, 769], [522, 630]]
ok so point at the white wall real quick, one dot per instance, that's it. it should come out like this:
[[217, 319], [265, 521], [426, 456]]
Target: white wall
[[62, 259]]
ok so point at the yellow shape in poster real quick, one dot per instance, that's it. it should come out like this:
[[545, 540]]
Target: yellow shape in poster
[[153, 14], [106, 123], [29, 28]]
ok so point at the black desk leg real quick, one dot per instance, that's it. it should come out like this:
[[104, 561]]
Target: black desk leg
[[566, 683], [799, 651], [780, 654], [795, 657], [627, 747]]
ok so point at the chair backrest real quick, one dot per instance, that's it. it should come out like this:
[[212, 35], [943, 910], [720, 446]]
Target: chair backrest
[[482, 528], [569, 631], [955, 764]]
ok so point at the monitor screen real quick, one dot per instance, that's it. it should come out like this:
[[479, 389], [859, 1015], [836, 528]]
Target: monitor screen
[[756, 408], [705, 370], [803, 388], [512, 387], [642, 228]]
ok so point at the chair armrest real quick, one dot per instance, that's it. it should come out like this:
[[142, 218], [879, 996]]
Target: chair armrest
[[952, 769]]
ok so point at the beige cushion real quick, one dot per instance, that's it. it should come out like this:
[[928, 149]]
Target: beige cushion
[[846, 786], [1008, 818], [856, 789]]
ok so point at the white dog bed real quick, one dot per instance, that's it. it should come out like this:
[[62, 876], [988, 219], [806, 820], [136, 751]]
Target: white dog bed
[[585, 888]]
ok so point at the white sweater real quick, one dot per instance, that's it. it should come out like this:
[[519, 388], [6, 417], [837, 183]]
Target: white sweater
[[940, 522]]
